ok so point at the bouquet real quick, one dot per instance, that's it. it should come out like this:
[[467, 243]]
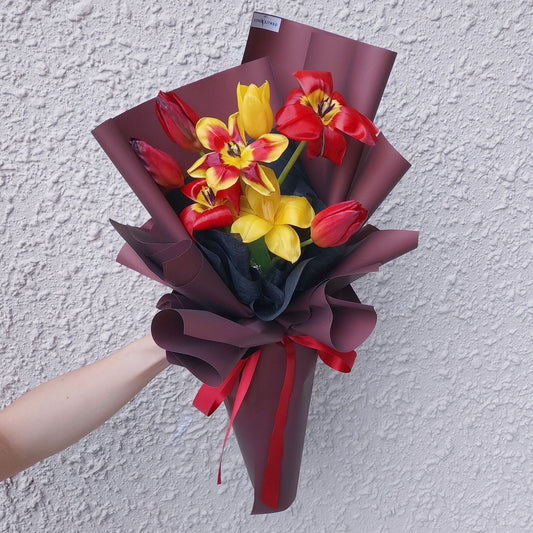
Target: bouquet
[[260, 181]]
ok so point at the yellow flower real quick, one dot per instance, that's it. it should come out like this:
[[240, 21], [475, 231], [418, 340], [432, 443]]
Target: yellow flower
[[254, 109], [232, 157], [272, 217]]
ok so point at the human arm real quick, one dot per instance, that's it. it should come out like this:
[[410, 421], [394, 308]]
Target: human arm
[[60, 412]]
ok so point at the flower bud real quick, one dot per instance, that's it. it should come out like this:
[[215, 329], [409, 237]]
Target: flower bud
[[161, 166], [254, 109], [178, 120], [336, 224]]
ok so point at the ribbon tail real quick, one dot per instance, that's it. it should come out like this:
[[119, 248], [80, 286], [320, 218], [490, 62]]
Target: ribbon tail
[[340, 363], [246, 379], [271, 482], [208, 398]]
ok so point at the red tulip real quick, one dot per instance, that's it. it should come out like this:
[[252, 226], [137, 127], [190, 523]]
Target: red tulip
[[178, 120], [212, 209], [336, 224], [161, 166], [319, 116]]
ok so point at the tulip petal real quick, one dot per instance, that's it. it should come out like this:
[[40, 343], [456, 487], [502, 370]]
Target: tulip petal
[[267, 148], [332, 146], [244, 206], [299, 122], [355, 125], [295, 97], [254, 109], [188, 217], [284, 242], [255, 198], [221, 176], [193, 189], [232, 195], [348, 207], [314, 148], [178, 120], [198, 169], [338, 96], [241, 91], [161, 166], [294, 210], [218, 217], [264, 92], [251, 227], [212, 133], [311, 80], [236, 129], [257, 178], [170, 101]]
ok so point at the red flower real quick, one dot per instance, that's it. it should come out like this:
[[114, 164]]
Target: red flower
[[211, 209], [337, 223], [178, 120], [161, 166], [318, 115]]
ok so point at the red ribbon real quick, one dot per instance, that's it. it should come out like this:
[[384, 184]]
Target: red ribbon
[[208, 399], [271, 479]]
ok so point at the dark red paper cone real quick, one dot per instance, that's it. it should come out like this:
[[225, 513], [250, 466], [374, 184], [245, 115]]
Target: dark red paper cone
[[255, 421]]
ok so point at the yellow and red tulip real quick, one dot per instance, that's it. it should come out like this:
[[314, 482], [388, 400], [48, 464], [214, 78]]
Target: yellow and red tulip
[[178, 120], [231, 158], [212, 209], [319, 116], [271, 217], [337, 223], [254, 109], [161, 166]]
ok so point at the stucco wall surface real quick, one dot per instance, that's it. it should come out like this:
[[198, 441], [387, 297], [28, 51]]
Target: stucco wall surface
[[433, 429]]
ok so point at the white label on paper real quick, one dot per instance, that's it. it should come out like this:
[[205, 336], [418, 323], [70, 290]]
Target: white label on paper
[[266, 22]]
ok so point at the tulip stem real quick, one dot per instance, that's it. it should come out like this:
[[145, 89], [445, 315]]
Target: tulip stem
[[259, 254], [306, 243], [290, 163]]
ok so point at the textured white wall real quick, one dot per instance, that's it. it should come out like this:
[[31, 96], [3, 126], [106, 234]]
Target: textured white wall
[[433, 429]]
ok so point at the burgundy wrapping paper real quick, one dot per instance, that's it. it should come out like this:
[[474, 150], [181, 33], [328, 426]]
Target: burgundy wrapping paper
[[201, 324]]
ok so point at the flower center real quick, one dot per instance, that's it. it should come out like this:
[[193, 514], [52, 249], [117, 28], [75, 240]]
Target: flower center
[[237, 155], [233, 149], [269, 209], [323, 105], [208, 196]]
